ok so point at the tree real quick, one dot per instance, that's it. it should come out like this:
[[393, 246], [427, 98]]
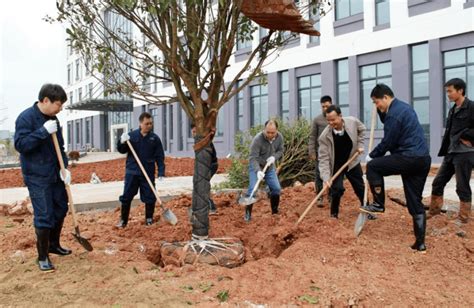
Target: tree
[[190, 42]]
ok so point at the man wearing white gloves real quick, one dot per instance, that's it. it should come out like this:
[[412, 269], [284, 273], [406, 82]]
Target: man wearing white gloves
[[41, 172], [149, 149], [267, 147]]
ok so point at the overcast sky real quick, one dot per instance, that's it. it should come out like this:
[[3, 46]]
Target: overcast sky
[[32, 52]]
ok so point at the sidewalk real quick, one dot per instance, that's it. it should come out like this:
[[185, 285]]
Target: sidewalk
[[86, 196]]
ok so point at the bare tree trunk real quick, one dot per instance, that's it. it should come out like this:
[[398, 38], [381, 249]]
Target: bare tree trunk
[[201, 189]]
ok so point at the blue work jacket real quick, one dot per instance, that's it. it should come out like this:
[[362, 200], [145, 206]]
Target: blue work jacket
[[403, 133], [149, 150], [38, 157]]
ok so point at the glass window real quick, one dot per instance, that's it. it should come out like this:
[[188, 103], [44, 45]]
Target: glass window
[[220, 123], [314, 15], [370, 75], [458, 64], [309, 94], [71, 98], [164, 127], [258, 104], [342, 86], [346, 8], [244, 41], [262, 32], [77, 69], [69, 74], [78, 133], [88, 131], [171, 122], [240, 108], [420, 86], [382, 12], [284, 97]]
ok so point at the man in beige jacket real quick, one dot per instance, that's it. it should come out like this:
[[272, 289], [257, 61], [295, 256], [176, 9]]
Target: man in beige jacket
[[343, 137]]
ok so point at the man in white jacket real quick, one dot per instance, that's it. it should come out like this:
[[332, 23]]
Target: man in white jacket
[[340, 140]]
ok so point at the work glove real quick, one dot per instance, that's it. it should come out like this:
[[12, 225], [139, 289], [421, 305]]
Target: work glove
[[51, 126], [368, 158], [65, 176], [271, 160], [161, 178], [260, 175], [124, 138]]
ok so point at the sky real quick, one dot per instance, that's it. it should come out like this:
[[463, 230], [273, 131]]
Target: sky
[[32, 52]]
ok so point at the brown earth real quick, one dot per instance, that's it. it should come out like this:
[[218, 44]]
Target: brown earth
[[111, 170], [319, 262]]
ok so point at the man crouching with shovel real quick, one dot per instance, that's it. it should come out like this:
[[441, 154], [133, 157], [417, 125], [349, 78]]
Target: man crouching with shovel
[[340, 140], [266, 147]]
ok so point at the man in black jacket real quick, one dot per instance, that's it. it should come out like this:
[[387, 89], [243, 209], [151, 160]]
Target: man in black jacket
[[458, 151]]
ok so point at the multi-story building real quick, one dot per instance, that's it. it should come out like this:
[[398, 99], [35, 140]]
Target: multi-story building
[[412, 45]]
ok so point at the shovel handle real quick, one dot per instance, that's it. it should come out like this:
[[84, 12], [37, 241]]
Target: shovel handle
[[369, 149], [68, 188], [325, 187], [258, 180], [145, 174]]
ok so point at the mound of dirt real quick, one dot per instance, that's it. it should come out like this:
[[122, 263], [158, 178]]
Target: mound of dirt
[[320, 262]]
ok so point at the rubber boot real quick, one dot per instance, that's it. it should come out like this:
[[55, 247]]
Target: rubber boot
[[42, 245], [335, 201], [212, 207], [54, 240], [378, 206], [464, 212], [419, 228], [124, 213], [149, 211], [274, 203], [248, 212], [435, 206]]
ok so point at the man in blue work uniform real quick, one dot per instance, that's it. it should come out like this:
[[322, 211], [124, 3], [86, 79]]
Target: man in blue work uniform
[[149, 149], [41, 171], [409, 157]]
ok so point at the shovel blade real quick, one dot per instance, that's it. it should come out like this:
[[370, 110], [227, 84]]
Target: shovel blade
[[170, 217], [247, 201], [84, 243], [360, 222]]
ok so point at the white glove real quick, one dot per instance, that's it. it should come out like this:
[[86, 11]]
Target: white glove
[[271, 160], [51, 126], [65, 175], [368, 158], [260, 175], [124, 138], [160, 178]]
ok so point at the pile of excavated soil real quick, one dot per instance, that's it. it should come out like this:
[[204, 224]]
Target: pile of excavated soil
[[319, 262], [110, 170]]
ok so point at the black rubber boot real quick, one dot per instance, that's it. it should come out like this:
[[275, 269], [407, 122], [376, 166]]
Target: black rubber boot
[[212, 207], [419, 228], [124, 213], [248, 212], [42, 245], [378, 206], [149, 211], [275, 202], [54, 240], [335, 201]]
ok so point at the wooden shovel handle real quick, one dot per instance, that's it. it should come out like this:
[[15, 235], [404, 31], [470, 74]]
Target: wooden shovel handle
[[371, 143]]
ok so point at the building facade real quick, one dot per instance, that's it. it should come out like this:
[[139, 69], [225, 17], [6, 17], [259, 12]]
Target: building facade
[[412, 45]]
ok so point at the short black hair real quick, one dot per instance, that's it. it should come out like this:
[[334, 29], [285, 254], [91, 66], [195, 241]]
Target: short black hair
[[380, 90], [333, 108], [143, 116], [457, 83], [326, 98], [271, 121], [53, 92]]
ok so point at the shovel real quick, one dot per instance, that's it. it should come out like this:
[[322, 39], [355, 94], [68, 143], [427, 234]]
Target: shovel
[[168, 215], [362, 218], [250, 199], [77, 235], [325, 187]]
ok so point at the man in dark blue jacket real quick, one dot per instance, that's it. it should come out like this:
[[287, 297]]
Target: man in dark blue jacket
[[149, 149], [41, 171], [409, 157], [458, 151]]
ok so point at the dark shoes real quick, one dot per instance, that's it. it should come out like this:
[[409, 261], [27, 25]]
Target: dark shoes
[[419, 228], [122, 224], [275, 202], [46, 265], [149, 221], [54, 241], [373, 208], [212, 207], [248, 212], [42, 245]]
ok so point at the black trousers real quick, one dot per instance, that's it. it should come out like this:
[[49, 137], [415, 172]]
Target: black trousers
[[459, 164], [413, 170], [355, 177], [318, 182]]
